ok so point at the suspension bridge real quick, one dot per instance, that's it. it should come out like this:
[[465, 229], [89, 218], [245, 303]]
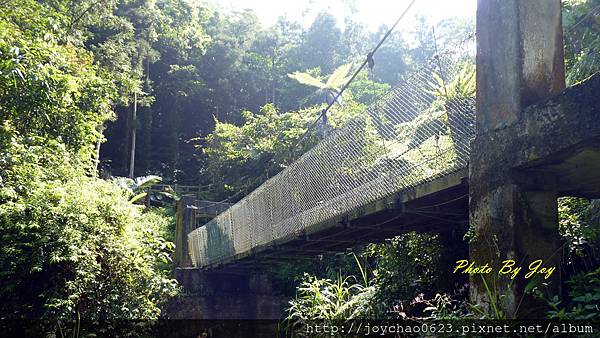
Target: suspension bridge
[[427, 156], [364, 180]]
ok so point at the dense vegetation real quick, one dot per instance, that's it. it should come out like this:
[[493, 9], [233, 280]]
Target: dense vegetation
[[72, 244], [220, 100], [245, 67]]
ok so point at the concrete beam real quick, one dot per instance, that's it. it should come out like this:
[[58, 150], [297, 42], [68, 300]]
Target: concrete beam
[[237, 294], [551, 136], [184, 226]]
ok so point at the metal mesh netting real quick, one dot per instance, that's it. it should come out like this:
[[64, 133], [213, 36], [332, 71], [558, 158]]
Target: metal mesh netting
[[415, 133]]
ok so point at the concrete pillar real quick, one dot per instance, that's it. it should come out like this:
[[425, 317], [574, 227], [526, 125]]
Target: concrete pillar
[[184, 226], [226, 294], [520, 58], [519, 62]]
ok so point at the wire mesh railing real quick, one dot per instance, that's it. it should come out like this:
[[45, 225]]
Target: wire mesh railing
[[417, 132]]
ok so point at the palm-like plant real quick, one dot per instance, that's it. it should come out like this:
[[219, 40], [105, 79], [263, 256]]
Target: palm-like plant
[[460, 86], [136, 188], [330, 88], [454, 98], [458, 96]]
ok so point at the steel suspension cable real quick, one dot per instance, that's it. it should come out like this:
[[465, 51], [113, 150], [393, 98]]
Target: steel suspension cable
[[363, 64]]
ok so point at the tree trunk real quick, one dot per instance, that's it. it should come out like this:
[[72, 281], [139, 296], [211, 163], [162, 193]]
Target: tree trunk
[[133, 127]]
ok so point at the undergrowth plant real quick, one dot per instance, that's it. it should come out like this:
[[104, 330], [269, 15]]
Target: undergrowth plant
[[583, 301]]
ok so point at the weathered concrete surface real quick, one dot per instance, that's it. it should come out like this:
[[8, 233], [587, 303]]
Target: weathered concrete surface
[[519, 58], [519, 63], [554, 136], [213, 295], [516, 175], [183, 227]]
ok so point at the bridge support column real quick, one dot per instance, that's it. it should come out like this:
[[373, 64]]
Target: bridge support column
[[185, 224], [519, 62], [227, 303], [226, 294]]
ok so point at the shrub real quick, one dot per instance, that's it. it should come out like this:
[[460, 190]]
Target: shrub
[[579, 224], [583, 300], [339, 299], [74, 244]]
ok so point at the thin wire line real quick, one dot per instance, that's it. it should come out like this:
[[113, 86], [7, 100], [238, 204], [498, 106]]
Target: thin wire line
[[443, 203], [339, 94], [369, 56]]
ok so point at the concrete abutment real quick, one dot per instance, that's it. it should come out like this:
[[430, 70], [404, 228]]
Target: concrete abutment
[[529, 134]]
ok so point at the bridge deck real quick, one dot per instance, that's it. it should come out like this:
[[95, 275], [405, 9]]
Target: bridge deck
[[439, 205]]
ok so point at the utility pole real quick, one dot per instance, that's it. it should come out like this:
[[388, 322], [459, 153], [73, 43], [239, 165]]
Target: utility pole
[[134, 127]]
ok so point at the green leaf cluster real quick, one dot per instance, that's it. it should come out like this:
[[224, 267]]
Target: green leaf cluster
[[50, 88], [583, 300], [582, 38], [339, 299], [579, 223]]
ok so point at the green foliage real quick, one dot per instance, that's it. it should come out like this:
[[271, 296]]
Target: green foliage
[[197, 62], [579, 223], [329, 89], [460, 86], [242, 157], [442, 306], [582, 38], [148, 50], [362, 88], [307, 79], [498, 301], [333, 300], [319, 46], [334, 82], [49, 88], [436, 132], [584, 297], [339, 77], [339, 299], [136, 187], [74, 244], [406, 265], [365, 90]]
